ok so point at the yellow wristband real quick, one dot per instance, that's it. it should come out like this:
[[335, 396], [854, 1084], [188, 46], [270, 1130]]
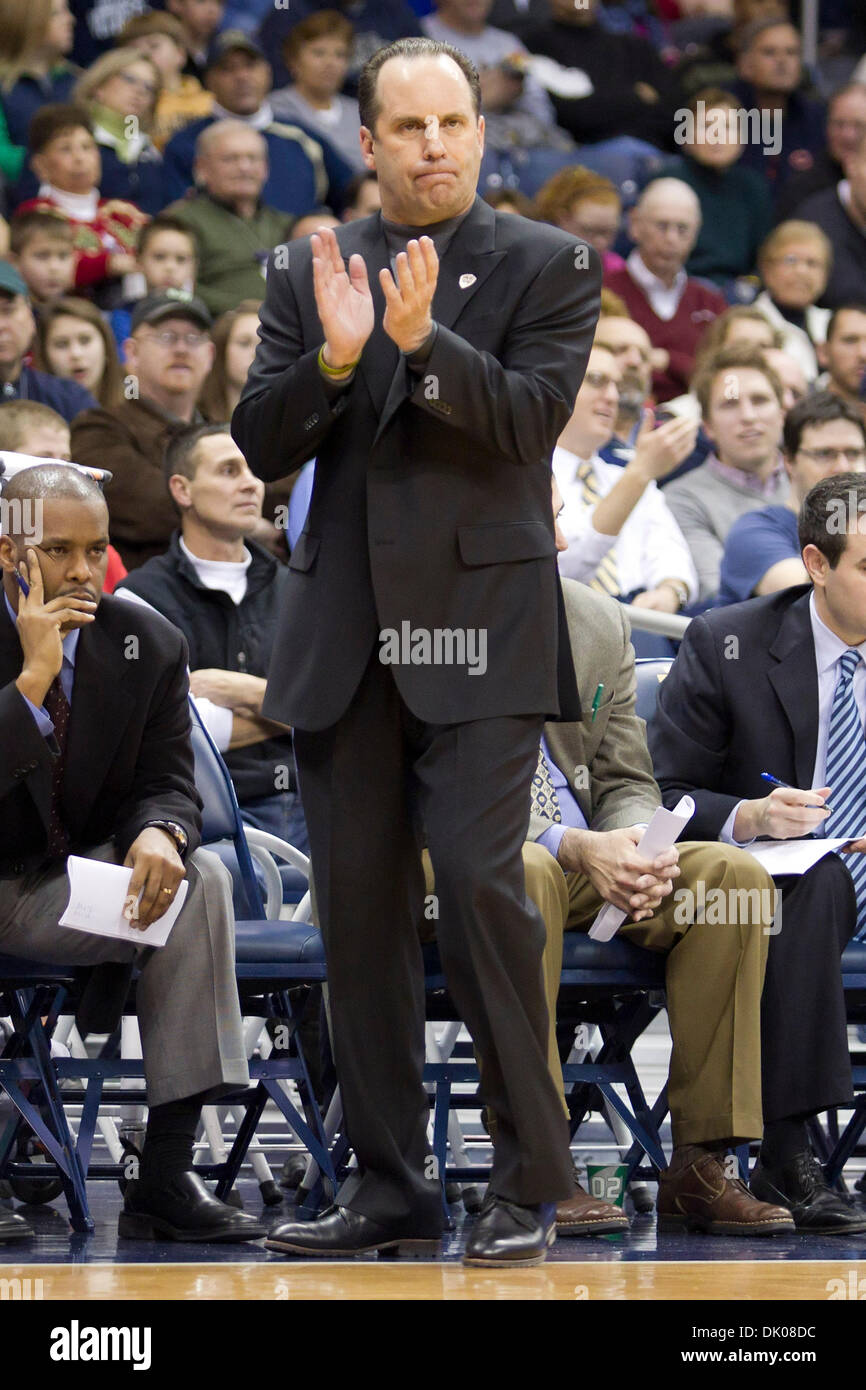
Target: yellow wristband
[[335, 371]]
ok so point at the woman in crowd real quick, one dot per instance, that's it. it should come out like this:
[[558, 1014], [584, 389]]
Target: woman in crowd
[[235, 337], [121, 90], [35, 36], [585, 204], [794, 263], [73, 340]]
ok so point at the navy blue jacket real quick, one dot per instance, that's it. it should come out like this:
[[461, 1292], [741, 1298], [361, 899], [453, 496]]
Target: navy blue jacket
[[64, 396], [296, 184]]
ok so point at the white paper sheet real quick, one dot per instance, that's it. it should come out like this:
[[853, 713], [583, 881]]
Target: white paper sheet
[[97, 894], [792, 856], [663, 830]]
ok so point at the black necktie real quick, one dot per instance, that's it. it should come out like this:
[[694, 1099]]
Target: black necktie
[[57, 706]]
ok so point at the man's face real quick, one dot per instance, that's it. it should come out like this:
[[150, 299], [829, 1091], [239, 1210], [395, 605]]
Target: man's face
[[790, 373], [797, 274], [167, 262], [235, 166], [834, 446], [70, 161], [428, 142], [595, 410], [594, 221], [744, 420], [72, 554], [772, 64], [224, 496], [16, 330], [201, 17], [172, 357], [48, 266], [321, 65], [846, 123], [665, 230], [630, 345], [843, 589], [240, 82], [844, 355], [854, 165]]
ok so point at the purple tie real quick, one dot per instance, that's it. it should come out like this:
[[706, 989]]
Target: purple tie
[[57, 706]]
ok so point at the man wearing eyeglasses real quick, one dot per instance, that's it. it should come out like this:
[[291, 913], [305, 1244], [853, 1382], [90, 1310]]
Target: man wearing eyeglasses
[[822, 436], [169, 355]]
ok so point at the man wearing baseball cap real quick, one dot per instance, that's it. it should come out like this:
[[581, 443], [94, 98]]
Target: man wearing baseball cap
[[305, 171], [17, 381]]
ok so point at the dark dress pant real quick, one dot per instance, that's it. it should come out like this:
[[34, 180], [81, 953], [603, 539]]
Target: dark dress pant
[[376, 785]]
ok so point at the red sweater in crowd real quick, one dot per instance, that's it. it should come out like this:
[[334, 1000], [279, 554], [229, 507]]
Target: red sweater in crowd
[[678, 336], [114, 229]]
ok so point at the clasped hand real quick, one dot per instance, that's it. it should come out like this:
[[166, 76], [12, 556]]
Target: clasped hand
[[617, 872], [345, 303]]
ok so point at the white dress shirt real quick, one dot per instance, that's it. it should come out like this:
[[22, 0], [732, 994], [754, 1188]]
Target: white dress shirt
[[650, 546], [664, 299], [829, 649]]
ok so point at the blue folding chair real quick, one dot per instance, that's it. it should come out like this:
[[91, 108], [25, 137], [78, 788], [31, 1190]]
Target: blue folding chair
[[273, 956]]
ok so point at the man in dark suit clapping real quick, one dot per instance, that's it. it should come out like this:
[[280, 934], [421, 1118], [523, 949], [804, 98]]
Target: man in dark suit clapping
[[429, 357]]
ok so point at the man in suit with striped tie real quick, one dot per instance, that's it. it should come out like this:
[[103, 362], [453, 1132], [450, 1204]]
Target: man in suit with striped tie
[[778, 684]]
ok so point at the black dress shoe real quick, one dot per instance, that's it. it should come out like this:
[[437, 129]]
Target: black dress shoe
[[800, 1186], [339, 1232], [182, 1209], [507, 1235], [14, 1227]]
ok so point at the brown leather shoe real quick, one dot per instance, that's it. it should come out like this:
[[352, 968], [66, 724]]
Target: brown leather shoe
[[695, 1195], [582, 1215]]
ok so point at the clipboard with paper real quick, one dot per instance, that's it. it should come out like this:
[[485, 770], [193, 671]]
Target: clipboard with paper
[[663, 830]]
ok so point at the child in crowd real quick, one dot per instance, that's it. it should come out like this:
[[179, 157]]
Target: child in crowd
[[65, 158], [42, 246], [73, 340], [167, 260], [160, 37]]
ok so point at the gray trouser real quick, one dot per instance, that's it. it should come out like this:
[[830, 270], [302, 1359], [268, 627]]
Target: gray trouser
[[188, 1008]]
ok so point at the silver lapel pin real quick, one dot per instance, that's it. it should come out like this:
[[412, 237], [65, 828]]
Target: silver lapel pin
[[466, 280]]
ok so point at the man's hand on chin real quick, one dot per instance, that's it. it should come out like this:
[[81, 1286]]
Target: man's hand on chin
[[157, 872]]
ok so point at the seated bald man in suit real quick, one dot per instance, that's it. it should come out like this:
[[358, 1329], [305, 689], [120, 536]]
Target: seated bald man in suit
[[96, 760], [590, 800]]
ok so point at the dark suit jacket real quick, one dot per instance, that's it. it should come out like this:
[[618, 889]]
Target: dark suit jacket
[[741, 698], [129, 756], [431, 503]]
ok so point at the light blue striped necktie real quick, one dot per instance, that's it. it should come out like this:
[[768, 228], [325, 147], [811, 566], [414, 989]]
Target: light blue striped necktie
[[846, 777]]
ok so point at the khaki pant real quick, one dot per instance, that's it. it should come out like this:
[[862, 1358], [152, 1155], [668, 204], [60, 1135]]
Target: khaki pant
[[714, 977]]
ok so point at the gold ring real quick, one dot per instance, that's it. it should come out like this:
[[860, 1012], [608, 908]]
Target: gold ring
[[166, 890]]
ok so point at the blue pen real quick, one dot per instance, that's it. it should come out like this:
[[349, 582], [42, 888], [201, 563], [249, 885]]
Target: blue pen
[[768, 777], [22, 584]]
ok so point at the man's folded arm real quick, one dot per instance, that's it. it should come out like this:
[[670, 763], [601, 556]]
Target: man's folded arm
[[164, 780], [690, 734], [24, 748], [518, 407]]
